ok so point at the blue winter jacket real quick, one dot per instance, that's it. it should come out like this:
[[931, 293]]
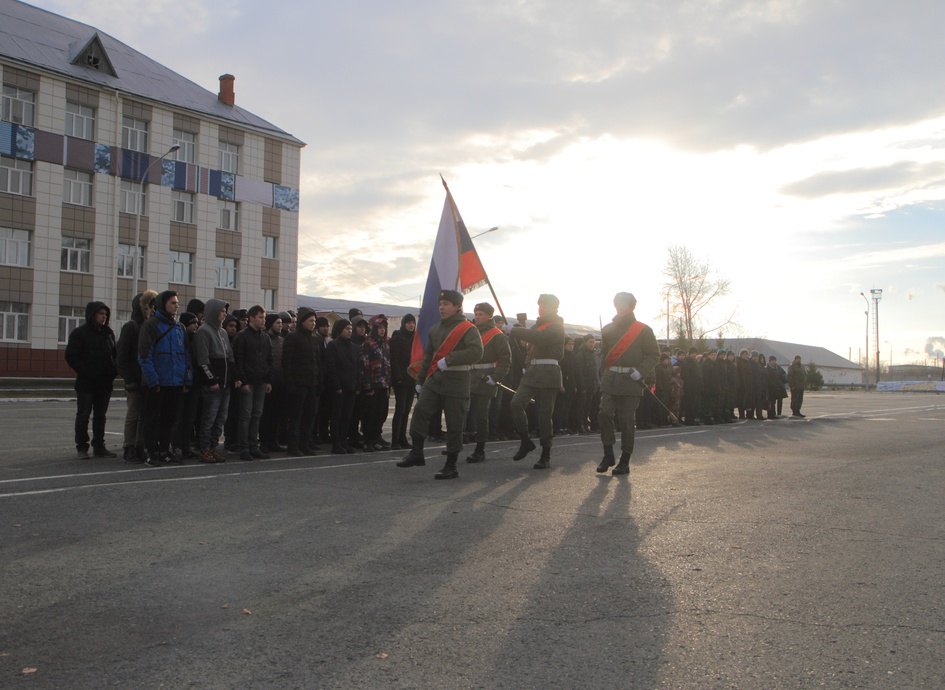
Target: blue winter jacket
[[163, 353]]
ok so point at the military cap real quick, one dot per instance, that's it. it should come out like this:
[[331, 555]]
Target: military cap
[[625, 299], [485, 308], [548, 301], [451, 296]]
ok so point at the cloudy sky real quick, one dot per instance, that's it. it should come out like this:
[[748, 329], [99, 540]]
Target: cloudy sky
[[797, 146]]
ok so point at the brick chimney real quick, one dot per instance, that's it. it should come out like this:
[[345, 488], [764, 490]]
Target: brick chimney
[[227, 95]]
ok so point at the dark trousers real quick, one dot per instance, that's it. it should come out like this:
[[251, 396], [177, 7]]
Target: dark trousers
[[625, 407], [692, 404], [376, 409], [252, 403], [92, 404], [797, 399], [430, 404], [273, 412], [182, 436], [403, 401], [160, 413], [303, 404], [479, 407], [342, 405], [545, 402]]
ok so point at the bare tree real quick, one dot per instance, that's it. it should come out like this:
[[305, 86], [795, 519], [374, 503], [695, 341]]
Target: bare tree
[[690, 288]]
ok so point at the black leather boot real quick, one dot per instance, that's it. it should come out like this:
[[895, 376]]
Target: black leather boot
[[449, 469], [415, 456], [608, 460], [478, 455], [527, 447], [623, 467], [544, 462]]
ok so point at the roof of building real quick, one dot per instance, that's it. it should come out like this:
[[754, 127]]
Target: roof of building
[[42, 39], [785, 352]]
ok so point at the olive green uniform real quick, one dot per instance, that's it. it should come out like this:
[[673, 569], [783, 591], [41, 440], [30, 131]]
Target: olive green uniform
[[618, 391], [495, 362], [447, 389], [542, 379]]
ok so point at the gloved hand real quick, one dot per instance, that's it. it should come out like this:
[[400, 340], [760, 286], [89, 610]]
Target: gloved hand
[[418, 388], [442, 365], [489, 380], [636, 375]]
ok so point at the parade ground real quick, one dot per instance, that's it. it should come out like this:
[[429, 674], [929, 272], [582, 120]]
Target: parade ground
[[779, 554]]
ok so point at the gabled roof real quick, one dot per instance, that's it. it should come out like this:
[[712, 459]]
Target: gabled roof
[[37, 38]]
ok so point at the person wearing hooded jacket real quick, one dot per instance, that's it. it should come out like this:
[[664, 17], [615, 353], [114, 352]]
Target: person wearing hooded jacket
[[301, 367], [130, 370], [401, 345], [341, 383], [91, 354], [374, 379], [252, 351], [359, 333], [215, 374], [165, 369]]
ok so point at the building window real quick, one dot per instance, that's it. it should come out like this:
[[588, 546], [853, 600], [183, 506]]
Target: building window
[[229, 158], [14, 247], [188, 146], [226, 273], [70, 318], [14, 321], [76, 187], [126, 261], [182, 206], [229, 215], [132, 198], [18, 105], [134, 134], [80, 121], [76, 255], [181, 268], [269, 247], [269, 300], [16, 176]]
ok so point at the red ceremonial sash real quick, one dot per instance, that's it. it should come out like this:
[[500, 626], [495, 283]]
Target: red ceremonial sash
[[451, 341], [489, 335], [540, 328], [625, 341]]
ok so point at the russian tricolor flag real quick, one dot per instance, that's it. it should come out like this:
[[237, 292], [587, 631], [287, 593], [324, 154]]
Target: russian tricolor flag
[[455, 266]]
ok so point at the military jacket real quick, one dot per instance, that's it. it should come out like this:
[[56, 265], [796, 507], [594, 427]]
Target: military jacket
[[546, 344], [496, 352], [643, 354], [468, 351]]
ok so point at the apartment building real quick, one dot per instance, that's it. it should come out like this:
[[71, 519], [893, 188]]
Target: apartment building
[[118, 174]]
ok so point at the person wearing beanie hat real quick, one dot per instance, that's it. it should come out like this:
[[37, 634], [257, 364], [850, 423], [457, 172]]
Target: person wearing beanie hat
[[274, 410], [375, 377], [542, 379], [359, 334], [758, 384], [196, 307], [323, 414], [776, 379], [743, 394], [401, 345], [287, 321], [711, 386], [252, 352], [166, 368], [189, 405], [692, 381], [353, 313], [493, 366], [629, 353], [302, 370], [443, 382], [130, 370], [341, 383], [188, 319]]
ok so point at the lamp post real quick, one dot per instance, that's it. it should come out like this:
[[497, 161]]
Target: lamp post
[[866, 360], [877, 295], [139, 207], [889, 366]]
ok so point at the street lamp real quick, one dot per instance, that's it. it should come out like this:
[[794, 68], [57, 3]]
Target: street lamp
[[877, 295], [866, 360], [485, 232], [139, 207]]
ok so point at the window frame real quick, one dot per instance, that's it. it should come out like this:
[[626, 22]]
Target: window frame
[[187, 153], [78, 120], [226, 273], [17, 245], [18, 171], [134, 134], [72, 184], [186, 274], [183, 206], [228, 157], [10, 97], [270, 247], [77, 317], [124, 261], [74, 258], [231, 211], [132, 191], [19, 321]]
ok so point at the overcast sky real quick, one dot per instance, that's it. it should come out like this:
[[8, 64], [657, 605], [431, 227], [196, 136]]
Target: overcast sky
[[797, 146]]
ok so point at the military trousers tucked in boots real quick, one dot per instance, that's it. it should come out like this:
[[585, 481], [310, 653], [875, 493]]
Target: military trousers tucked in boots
[[545, 400], [625, 407], [454, 409]]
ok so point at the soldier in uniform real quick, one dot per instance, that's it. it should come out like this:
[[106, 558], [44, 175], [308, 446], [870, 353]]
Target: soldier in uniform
[[453, 346], [542, 379], [491, 369], [628, 353]]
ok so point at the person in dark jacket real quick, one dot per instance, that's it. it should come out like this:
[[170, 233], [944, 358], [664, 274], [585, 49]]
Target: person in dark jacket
[[182, 436], [664, 389], [744, 396], [374, 377], [215, 374], [275, 409], [710, 388], [341, 383], [401, 345], [692, 379], [166, 369], [130, 370], [252, 352], [359, 326], [590, 365], [323, 416], [565, 400], [491, 370], [91, 354], [774, 386], [302, 370], [797, 380], [758, 384]]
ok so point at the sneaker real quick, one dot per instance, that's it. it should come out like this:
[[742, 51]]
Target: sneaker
[[155, 460], [215, 452], [82, 453], [207, 456], [103, 452]]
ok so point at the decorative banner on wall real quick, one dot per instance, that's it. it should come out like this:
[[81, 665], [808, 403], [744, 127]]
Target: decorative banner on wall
[[24, 143], [6, 138], [912, 386], [285, 198]]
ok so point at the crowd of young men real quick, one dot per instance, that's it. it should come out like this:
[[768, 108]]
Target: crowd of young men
[[203, 382]]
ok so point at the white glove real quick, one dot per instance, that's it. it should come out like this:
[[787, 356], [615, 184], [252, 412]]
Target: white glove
[[489, 380], [418, 388], [442, 365], [636, 375]]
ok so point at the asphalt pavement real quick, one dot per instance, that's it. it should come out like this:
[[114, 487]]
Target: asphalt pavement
[[777, 554]]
